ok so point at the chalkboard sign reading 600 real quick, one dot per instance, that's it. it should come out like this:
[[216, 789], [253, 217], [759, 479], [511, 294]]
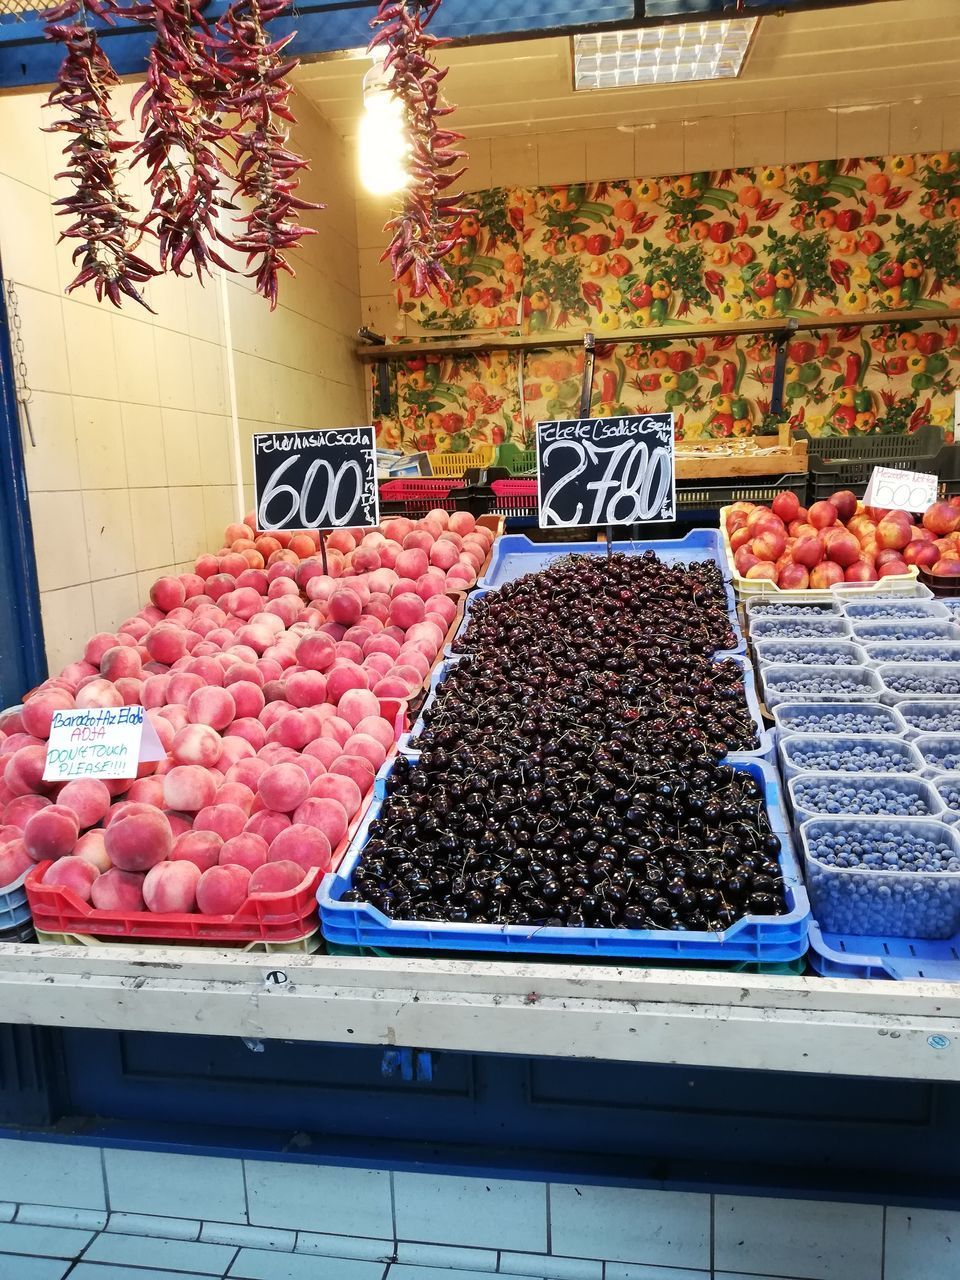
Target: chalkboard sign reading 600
[[316, 479], [606, 471]]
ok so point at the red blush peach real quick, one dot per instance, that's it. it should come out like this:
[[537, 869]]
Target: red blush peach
[[222, 891], [172, 887], [74, 874], [202, 848]]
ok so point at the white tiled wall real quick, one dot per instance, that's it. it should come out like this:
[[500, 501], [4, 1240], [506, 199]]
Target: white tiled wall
[[256, 1219], [666, 147], [133, 470]]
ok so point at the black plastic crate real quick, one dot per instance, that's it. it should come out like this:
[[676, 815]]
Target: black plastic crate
[[847, 462], [704, 495], [19, 933]]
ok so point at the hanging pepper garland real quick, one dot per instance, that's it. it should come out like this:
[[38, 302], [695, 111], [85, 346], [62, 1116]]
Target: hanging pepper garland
[[102, 217], [257, 95], [178, 143], [194, 78], [428, 225]]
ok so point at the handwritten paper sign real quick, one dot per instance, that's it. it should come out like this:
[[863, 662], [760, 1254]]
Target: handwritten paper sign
[[901, 490], [100, 742], [316, 479], [606, 471]]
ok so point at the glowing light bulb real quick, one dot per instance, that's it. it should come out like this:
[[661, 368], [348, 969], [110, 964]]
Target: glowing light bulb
[[383, 145]]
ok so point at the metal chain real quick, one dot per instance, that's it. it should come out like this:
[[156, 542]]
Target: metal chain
[[22, 385]]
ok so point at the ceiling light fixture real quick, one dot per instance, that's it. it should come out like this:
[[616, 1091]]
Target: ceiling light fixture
[[662, 55], [382, 137]]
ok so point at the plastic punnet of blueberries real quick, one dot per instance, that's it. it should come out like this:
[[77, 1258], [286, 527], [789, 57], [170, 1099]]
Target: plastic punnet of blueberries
[[898, 798], [873, 755], [826, 720], [881, 876], [572, 767]]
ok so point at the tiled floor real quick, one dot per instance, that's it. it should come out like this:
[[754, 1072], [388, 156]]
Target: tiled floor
[[76, 1212]]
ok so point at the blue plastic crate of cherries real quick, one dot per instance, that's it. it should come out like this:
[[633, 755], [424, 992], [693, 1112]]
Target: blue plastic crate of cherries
[[894, 877]]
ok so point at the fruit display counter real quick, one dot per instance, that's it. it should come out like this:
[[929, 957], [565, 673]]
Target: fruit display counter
[[581, 849]]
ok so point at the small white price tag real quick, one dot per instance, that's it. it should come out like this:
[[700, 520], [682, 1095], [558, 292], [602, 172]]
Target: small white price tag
[[901, 490], [100, 742]]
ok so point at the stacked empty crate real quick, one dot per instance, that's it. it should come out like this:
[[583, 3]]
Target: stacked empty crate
[[864, 690]]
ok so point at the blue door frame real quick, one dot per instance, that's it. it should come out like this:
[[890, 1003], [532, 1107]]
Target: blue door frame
[[22, 660]]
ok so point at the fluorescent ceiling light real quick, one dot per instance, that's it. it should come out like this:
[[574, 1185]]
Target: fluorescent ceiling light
[[662, 55]]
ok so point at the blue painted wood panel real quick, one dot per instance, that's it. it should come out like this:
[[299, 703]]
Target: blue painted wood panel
[[539, 1118], [22, 661]]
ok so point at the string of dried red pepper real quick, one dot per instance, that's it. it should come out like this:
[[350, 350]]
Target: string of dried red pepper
[[180, 144], [102, 217], [257, 96], [428, 224]]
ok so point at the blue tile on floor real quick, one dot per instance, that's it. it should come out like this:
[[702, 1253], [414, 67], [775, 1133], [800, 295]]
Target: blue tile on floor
[[640, 1271], [531, 1264], [816, 1239], [171, 1255], [401, 1271], [104, 1271], [257, 1264], [12, 1268], [144, 1224], [55, 1215], [482, 1212], [345, 1247], [745, 1275], [922, 1243], [664, 1228], [320, 1198], [43, 1242], [448, 1256], [176, 1186], [51, 1173]]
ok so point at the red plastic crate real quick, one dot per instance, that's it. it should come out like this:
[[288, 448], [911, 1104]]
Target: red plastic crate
[[516, 496], [264, 917], [421, 494], [274, 916]]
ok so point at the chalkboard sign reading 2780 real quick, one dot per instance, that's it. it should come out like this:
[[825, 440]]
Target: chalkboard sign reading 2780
[[606, 471], [316, 479]]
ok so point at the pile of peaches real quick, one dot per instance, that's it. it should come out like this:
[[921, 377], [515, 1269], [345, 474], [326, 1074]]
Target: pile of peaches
[[276, 689], [840, 540]]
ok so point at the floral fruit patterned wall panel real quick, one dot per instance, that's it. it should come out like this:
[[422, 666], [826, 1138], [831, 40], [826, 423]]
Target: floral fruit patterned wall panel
[[819, 239]]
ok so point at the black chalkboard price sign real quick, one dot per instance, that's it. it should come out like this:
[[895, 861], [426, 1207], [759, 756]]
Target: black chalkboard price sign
[[606, 471], [316, 479]]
